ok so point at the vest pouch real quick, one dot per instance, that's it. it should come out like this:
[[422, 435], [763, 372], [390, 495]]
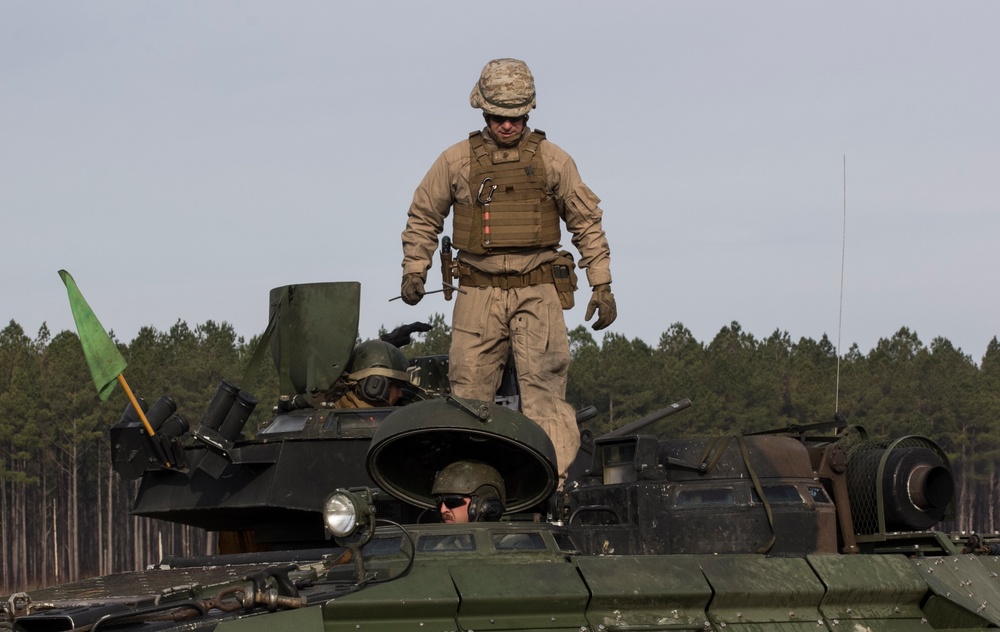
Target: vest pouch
[[564, 277], [512, 224]]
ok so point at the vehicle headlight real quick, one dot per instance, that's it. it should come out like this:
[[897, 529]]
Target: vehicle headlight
[[345, 512]]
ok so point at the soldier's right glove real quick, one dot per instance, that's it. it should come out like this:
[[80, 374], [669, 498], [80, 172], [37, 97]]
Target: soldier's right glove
[[412, 289], [603, 302]]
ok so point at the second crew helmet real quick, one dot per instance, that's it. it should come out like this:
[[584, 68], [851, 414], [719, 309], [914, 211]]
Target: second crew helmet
[[373, 365]]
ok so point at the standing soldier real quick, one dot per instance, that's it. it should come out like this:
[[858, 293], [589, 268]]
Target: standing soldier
[[510, 187]]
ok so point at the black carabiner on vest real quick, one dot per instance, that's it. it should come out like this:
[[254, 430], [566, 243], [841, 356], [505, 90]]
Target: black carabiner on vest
[[489, 196]]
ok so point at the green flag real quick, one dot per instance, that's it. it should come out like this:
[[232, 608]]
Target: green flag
[[103, 358]]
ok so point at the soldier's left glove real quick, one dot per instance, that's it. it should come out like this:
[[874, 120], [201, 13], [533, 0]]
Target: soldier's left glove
[[603, 302]]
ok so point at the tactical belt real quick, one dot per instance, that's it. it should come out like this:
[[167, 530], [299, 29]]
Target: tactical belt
[[471, 277]]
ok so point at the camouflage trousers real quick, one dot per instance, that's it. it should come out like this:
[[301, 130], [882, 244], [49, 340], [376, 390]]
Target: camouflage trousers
[[488, 322]]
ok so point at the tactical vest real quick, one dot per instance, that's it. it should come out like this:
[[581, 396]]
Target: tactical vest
[[510, 207]]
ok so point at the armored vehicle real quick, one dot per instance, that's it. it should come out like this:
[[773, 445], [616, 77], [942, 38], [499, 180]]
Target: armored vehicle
[[802, 528], [266, 493]]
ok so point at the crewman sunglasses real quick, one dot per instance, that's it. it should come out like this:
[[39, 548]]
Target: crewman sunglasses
[[450, 501]]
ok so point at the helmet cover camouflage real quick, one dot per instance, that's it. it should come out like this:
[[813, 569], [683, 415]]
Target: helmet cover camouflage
[[505, 88]]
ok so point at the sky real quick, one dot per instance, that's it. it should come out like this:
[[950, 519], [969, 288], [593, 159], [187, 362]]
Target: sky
[[818, 168]]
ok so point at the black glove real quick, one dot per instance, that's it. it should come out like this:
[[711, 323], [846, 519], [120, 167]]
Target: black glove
[[412, 289], [400, 336], [603, 302]]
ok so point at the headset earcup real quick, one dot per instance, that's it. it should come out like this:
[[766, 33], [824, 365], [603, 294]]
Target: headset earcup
[[485, 505], [489, 510], [375, 388]]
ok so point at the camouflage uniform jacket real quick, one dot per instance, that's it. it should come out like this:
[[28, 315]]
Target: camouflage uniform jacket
[[447, 181]]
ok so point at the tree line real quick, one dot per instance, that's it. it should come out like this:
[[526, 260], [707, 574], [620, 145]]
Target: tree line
[[64, 513]]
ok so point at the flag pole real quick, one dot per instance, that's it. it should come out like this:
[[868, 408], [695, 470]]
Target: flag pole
[[142, 415], [135, 405]]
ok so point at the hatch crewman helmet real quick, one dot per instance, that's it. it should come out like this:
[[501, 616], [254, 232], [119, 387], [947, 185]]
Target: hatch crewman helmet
[[480, 482]]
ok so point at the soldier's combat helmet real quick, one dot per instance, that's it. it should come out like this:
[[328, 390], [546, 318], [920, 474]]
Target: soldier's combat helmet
[[482, 483], [505, 88], [373, 364]]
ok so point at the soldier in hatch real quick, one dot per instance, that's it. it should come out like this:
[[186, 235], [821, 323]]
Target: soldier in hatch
[[511, 189], [469, 491], [376, 376]]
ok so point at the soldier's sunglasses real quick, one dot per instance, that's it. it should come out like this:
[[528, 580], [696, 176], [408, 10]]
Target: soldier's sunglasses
[[500, 120], [450, 501]]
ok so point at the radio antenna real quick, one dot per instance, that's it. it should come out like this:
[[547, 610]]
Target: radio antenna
[[840, 315]]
